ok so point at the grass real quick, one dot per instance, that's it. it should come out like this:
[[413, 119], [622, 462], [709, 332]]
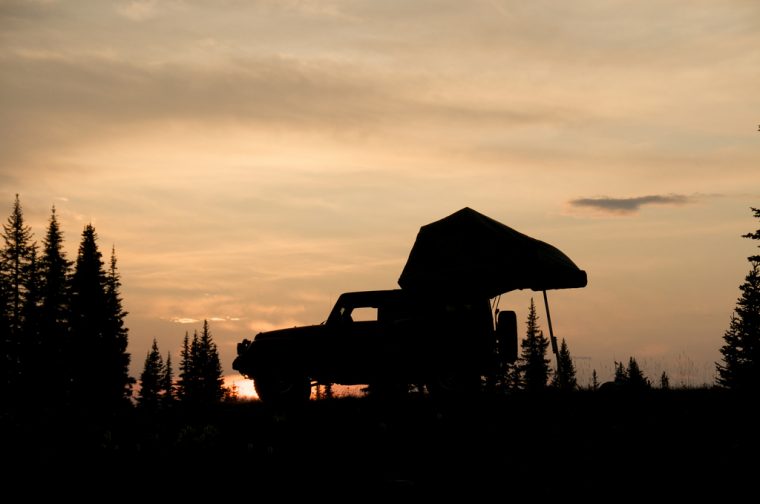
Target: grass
[[680, 443]]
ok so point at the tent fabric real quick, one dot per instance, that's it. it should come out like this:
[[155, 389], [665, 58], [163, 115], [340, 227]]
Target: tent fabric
[[468, 254]]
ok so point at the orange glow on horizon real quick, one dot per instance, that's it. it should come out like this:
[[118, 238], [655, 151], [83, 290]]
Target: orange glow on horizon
[[246, 390], [242, 385]]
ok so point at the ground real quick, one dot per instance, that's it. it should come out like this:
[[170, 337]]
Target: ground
[[659, 444]]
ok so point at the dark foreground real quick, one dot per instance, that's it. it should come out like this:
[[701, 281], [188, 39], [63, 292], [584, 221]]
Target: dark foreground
[[681, 444]]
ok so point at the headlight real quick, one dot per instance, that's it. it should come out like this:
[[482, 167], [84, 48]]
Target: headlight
[[243, 346]]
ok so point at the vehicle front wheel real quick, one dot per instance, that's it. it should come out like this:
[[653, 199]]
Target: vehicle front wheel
[[282, 389], [388, 390]]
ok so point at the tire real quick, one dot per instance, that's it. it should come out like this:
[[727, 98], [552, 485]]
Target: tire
[[386, 390], [283, 388], [454, 385]]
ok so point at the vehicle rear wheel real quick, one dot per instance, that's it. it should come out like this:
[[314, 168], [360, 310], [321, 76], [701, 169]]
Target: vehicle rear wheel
[[282, 388], [454, 384]]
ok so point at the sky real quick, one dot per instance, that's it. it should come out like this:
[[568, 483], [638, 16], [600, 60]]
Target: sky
[[251, 160]]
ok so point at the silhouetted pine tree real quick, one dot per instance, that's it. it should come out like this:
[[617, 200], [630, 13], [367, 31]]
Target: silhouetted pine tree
[[55, 273], [151, 379], [636, 379], [328, 391], [117, 335], [594, 380], [167, 383], [512, 380], [6, 355], [98, 357], [664, 381], [740, 369], [630, 377], [621, 375], [534, 365], [87, 322], [185, 383], [209, 368], [15, 259], [231, 394], [564, 377], [33, 376], [201, 381]]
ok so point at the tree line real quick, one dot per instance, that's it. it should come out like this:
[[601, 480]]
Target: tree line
[[533, 372], [200, 380], [63, 338], [739, 368]]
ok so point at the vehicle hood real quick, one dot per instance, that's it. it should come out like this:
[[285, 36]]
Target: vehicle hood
[[290, 333]]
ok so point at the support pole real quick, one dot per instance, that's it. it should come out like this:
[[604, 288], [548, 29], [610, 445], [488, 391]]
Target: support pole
[[551, 330]]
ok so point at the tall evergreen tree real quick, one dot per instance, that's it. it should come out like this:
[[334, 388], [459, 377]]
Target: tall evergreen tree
[[513, 380], [754, 236], [55, 274], [740, 367], [209, 368], [6, 356], [34, 377], [185, 382], [117, 335], [534, 365], [621, 375], [87, 322], [564, 376], [636, 378], [167, 383], [630, 377], [15, 260], [98, 358], [594, 380], [151, 379], [201, 381]]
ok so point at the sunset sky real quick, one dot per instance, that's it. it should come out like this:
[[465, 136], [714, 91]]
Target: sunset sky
[[251, 160]]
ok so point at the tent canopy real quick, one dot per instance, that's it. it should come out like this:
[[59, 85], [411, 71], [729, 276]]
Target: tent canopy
[[470, 255]]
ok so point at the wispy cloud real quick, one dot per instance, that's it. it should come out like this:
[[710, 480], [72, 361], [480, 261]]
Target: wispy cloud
[[184, 320], [138, 10], [627, 206]]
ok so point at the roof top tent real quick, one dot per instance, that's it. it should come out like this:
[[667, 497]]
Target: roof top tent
[[468, 254]]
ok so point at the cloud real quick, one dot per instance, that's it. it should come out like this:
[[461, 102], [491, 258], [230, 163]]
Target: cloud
[[493, 82], [28, 10], [61, 101], [627, 206], [138, 10], [184, 320]]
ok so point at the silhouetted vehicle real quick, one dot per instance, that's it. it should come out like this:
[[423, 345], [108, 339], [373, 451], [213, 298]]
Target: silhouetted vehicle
[[387, 339]]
